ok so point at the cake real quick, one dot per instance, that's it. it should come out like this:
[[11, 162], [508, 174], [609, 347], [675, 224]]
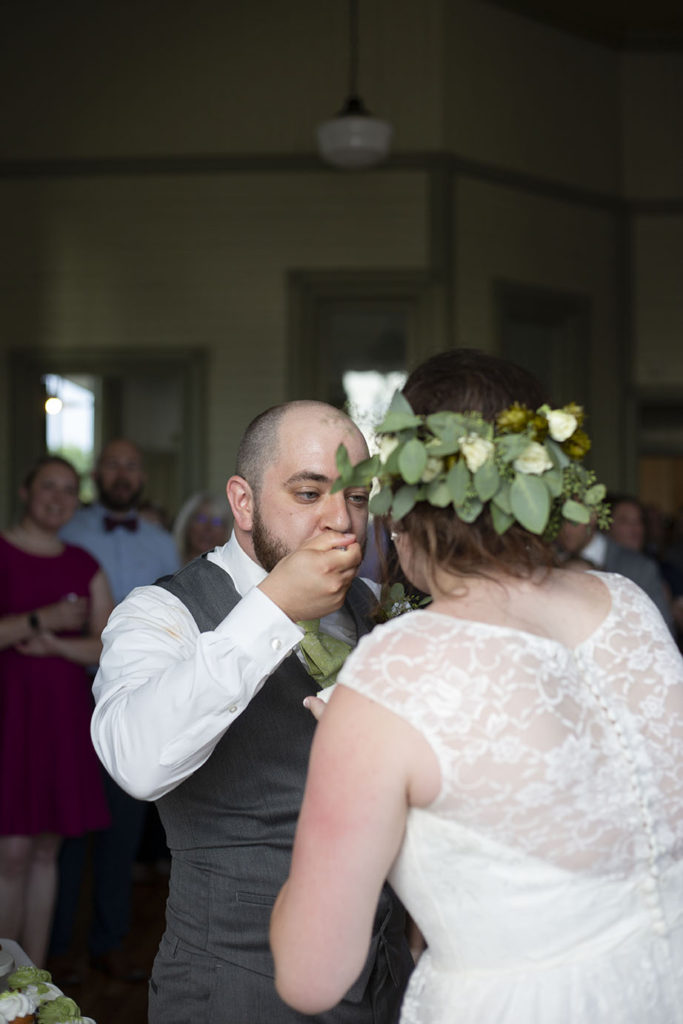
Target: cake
[[16, 1008], [34, 982], [61, 1011]]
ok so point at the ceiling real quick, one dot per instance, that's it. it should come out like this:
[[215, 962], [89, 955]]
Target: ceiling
[[625, 25]]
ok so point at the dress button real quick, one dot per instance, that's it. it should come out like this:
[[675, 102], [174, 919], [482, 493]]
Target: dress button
[[649, 885], [659, 927], [276, 643], [232, 709]]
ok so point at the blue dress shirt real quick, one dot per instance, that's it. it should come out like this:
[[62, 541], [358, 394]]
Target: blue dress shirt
[[129, 559]]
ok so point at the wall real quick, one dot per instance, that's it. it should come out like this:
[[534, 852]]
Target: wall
[[159, 182], [530, 99], [158, 263], [652, 88]]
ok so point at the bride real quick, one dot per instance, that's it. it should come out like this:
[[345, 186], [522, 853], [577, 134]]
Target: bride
[[512, 755]]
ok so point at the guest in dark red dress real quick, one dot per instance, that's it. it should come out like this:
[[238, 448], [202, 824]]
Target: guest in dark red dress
[[54, 604]]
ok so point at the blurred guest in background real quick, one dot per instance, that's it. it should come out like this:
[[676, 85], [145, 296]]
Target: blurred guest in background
[[54, 603], [132, 552], [154, 513], [202, 524], [584, 545], [628, 521]]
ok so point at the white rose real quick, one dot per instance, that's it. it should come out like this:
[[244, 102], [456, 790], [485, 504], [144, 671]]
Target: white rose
[[387, 443], [432, 469], [561, 424], [534, 459], [476, 451]]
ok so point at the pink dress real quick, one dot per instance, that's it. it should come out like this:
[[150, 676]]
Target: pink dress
[[50, 777]]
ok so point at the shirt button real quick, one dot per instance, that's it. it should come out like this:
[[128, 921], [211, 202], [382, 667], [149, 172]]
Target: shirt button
[[276, 643], [232, 709]]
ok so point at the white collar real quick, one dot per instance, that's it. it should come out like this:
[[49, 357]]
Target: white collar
[[244, 571], [595, 550]]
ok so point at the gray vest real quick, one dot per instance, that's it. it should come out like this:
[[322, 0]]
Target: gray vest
[[230, 825]]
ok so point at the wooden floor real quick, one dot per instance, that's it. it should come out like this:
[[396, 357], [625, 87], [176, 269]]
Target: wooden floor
[[115, 1002]]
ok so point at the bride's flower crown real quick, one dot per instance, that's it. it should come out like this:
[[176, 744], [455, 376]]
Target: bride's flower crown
[[525, 466]]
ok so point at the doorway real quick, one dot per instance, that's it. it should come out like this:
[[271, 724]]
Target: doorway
[[156, 400]]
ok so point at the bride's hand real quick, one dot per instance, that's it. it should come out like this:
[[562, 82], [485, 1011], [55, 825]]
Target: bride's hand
[[315, 705]]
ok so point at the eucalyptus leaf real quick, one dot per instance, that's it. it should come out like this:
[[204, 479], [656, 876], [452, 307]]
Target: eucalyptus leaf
[[404, 500], [554, 481], [412, 461], [595, 494], [502, 498], [530, 502], [399, 416], [576, 512], [458, 481], [470, 510], [342, 459], [486, 480], [441, 446], [380, 503], [559, 457], [511, 446], [438, 493], [447, 431], [501, 520], [391, 465], [364, 471]]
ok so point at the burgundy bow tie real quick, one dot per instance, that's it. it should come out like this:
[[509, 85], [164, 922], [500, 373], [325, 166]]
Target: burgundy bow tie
[[110, 523]]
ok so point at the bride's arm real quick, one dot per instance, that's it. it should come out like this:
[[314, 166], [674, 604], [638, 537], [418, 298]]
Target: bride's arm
[[367, 766]]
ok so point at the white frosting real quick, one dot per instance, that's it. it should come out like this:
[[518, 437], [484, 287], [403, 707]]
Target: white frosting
[[43, 997], [16, 1004]]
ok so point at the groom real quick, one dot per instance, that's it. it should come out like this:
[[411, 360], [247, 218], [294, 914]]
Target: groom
[[199, 706]]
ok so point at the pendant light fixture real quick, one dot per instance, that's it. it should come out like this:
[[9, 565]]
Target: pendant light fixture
[[354, 138]]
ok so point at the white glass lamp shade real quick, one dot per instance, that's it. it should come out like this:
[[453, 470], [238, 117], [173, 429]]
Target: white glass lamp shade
[[354, 138]]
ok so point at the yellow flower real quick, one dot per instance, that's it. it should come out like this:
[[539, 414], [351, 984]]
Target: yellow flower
[[539, 428], [575, 410], [577, 445], [514, 419]]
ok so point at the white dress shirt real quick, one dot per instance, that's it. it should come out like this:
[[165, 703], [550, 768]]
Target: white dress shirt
[[595, 550], [166, 693]]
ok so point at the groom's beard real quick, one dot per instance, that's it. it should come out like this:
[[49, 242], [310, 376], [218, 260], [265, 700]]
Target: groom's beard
[[268, 548]]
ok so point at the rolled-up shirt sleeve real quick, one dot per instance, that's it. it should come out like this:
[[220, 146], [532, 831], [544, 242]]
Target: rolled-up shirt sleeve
[[165, 693]]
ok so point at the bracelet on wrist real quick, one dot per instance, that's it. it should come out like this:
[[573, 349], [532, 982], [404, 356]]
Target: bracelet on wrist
[[34, 622]]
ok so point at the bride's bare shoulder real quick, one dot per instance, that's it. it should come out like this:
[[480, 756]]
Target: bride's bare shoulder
[[579, 601]]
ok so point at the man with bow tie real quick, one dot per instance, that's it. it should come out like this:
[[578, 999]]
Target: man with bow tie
[[133, 552], [200, 707]]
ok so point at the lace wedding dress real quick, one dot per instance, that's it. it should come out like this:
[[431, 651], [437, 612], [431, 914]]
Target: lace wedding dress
[[547, 876]]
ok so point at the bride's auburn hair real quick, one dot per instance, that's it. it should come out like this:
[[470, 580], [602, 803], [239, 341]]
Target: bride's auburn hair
[[467, 380]]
